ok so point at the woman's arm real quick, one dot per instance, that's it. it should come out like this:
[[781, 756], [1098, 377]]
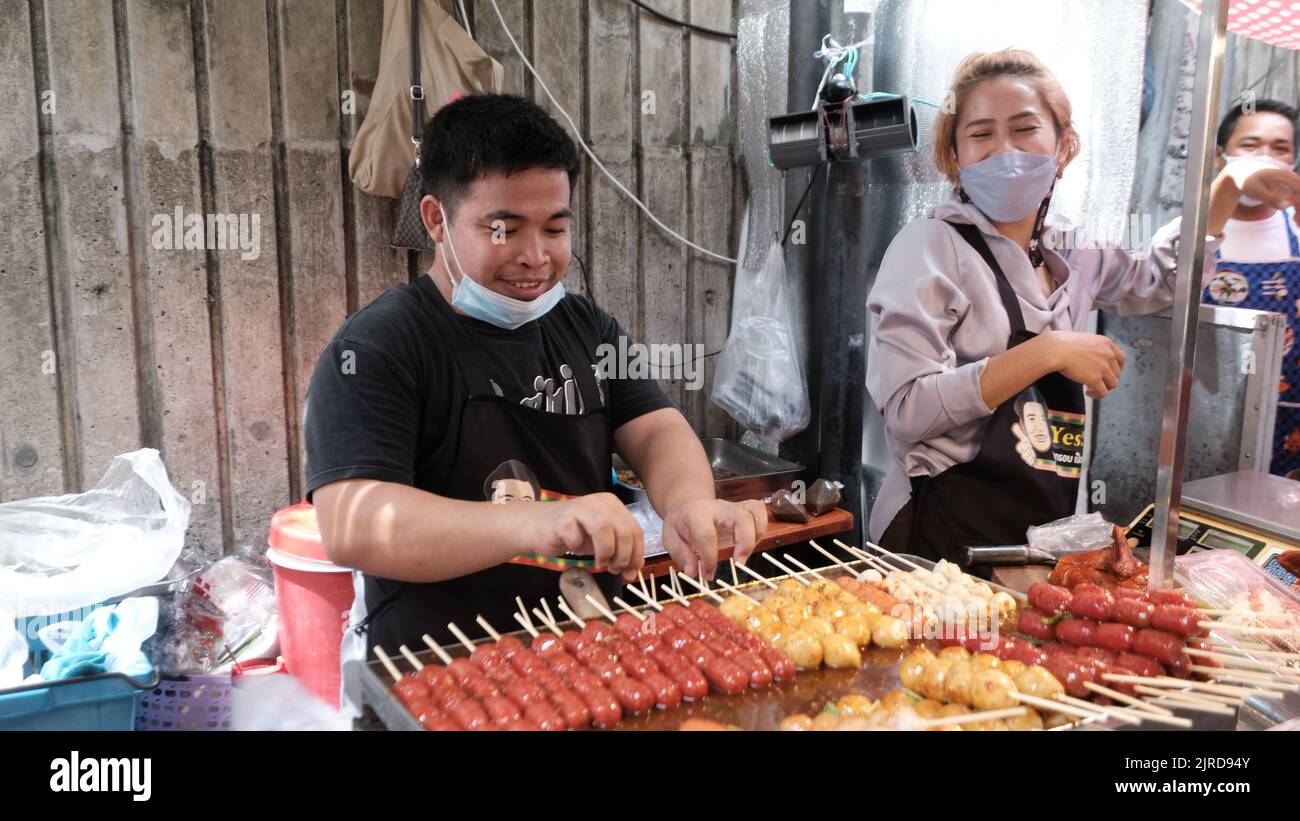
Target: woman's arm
[[915, 305]]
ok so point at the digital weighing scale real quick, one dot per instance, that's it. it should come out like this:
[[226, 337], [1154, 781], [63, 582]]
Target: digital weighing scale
[[1254, 513]]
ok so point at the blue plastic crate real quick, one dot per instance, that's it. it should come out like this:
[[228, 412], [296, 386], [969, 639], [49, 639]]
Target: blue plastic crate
[[104, 702], [108, 701]]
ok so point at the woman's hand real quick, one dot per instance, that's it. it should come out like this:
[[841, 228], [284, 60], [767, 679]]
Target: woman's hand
[[1092, 360]]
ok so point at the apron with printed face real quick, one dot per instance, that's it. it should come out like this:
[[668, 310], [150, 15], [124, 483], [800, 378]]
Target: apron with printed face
[[1027, 469], [1271, 286]]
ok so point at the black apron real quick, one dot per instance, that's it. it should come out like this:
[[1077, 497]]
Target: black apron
[[1027, 469], [569, 454]]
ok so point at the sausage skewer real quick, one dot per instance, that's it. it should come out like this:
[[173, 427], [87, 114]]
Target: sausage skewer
[[1248, 629], [843, 565], [527, 625], [1245, 677]]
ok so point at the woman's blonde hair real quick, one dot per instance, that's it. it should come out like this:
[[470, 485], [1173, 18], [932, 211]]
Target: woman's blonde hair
[[980, 66]]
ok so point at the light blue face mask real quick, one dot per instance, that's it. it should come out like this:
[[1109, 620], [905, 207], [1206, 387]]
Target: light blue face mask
[[1009, 186], [483, 303]]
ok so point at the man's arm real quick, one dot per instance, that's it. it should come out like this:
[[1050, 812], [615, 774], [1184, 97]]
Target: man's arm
[[398, 532], [668, 457]]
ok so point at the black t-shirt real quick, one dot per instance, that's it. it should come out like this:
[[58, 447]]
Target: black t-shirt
[[386, 397]]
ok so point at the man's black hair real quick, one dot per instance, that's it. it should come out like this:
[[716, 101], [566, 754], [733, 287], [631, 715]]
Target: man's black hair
[[1028, 395], [510, 469], [486, 133], [1229, 123]]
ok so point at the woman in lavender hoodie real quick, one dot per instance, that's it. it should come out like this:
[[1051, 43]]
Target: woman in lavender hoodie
[[979, 356]]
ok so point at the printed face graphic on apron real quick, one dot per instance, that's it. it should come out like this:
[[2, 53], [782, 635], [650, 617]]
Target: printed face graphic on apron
[[1046, 439], [1271, 286], [1229, 287]]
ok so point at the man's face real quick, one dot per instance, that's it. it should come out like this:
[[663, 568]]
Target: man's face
[[510, 234], [1264, 133], [512, 490], [1035, 420]]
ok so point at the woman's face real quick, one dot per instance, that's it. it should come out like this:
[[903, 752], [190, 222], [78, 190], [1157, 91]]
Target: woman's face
[[1000, 115]]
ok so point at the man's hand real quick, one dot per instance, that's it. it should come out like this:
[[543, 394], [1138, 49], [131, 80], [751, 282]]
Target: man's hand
[[596, 525], [1278, 187], [693, 529]]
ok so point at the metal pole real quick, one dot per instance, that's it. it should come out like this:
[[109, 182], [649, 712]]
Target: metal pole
[[1187, 291]]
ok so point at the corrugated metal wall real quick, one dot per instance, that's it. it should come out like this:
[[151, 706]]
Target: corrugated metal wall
[[120, 112]]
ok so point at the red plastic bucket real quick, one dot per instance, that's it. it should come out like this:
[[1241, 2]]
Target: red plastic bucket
[[314, 598]]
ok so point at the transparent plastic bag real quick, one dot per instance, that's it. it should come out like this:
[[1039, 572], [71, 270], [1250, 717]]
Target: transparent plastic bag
[[1072, 534], [759, 381], [62, 553], [1227, 580]]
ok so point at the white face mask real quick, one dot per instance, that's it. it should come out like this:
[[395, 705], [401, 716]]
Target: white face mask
[[483, 303], [1264, 159]]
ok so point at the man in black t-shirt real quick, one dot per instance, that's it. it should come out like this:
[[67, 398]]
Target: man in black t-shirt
[[484, 374]]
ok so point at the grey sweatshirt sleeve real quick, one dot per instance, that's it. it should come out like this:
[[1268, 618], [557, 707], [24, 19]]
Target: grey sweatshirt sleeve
[[1129, 283], [912, 370]]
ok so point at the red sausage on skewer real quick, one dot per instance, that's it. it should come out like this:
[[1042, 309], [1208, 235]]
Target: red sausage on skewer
[[1078, 632], [1159, 645], [1091, 601]]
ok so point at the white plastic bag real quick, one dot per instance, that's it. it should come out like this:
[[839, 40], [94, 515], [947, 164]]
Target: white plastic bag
[[61, 553], [1072, 534], [760, 381]]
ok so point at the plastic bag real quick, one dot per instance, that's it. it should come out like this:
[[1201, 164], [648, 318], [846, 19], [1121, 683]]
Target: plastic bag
[[227, 605], [13, 653], [1227, 580], [61, 553], [760, 381], [1073, 534]]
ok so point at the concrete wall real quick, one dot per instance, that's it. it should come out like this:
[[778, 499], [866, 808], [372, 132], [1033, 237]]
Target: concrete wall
[[120, 112]]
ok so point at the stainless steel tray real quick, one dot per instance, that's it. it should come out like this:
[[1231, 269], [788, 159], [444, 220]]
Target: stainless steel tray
[[758, 474]]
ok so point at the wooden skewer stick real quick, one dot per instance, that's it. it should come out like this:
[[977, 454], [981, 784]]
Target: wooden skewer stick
[[969, 718], [787, 570], [629, 608], [1248, 629], [415, 662], [564, 608], [1124, 698], [523, 610], [735, 591], [734, 578], [527, 625], [1124, 714], [871, 561], [1232, 661], [885, 552], [680, 599], [645, 597], [604, 611], [672, 580], [1054, 706], [1186, 701], [1179, 683], [549, 624], [640, 579], [1265, 653], [461, 637], [1245, 677], [764, 579], [437, 649], [549, 614], [832, 557], [706, 591], [487, 628], [805, 568], [388, 664]]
